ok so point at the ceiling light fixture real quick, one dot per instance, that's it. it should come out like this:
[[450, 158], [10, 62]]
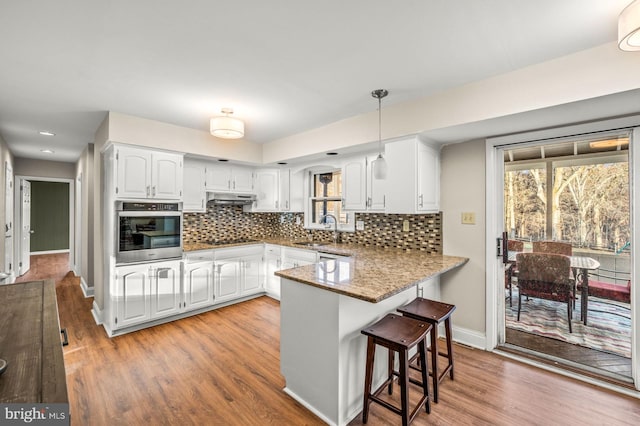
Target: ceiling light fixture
[[379, 164], [227, 127], [46, 133], [47, 151], [629, 27]]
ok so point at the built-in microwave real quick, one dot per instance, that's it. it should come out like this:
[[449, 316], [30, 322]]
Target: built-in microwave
[[148, 231]]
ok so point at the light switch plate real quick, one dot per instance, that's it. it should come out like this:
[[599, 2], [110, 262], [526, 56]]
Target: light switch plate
[[469, 218], [359, 225]]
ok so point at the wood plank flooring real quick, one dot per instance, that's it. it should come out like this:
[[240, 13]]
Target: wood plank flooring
[[222, 368]]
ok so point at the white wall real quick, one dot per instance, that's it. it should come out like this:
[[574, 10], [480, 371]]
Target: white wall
[[462, 189], [5, 158], [44, 168], [84, 172]]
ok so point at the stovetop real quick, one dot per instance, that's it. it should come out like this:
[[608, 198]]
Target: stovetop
[[236, 241]]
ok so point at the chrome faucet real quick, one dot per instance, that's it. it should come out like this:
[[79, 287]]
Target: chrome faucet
[[335, 226]]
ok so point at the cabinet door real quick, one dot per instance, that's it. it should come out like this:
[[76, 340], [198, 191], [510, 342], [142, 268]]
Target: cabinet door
[[227, 279], [166, 180], [428, 179], [273, 263], [198, 285], [375, 189], [252, 274], [165, 291], [132, 298], [284, 190], [267, 190], [242, 179], [400, 184], [354, 191], [296, 191], [218, 177], [133, 173], [194, 199]]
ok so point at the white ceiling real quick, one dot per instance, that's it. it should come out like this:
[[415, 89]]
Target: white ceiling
[[284, 66]]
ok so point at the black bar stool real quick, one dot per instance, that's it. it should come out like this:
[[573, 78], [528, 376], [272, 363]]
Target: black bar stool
[[397, 334], [434, 313]]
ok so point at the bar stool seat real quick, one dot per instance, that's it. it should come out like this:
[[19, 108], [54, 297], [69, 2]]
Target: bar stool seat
[[397, 334], [434, 313]]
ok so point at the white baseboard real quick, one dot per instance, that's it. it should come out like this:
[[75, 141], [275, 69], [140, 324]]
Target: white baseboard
[[86, 290], [97, 313], [472, 338], [308, 406]]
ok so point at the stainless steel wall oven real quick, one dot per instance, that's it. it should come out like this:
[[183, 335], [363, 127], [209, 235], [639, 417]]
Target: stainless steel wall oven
[[148, 231]]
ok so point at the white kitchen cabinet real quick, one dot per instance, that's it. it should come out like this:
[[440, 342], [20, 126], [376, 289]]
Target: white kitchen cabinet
[[251, 280], [272, 263], [133, 293], [145, 292], [197, 285], [267, 187], [226, 178], [227, 279], [354, 184], [413, 178], [195, 196], [142, 173], [278, 190], [293, 257], [238, 271], [376, 193], [165, 289]]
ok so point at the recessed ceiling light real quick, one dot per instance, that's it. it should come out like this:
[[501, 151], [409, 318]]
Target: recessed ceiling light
[[46, 133], [47, 151], [332, 153], [282, 163], [224, 160]]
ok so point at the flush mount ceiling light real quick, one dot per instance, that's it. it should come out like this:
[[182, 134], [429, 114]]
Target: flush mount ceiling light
[[379, 164], [629, 27], [227, 127], [46, 133], [47, 151]]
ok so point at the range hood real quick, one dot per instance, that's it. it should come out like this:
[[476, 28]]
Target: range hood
[[230, 198]]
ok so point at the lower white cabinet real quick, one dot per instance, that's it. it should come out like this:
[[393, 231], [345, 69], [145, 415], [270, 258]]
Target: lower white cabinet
[[197, 285], [145, 292], [272, 263], [238, 272]]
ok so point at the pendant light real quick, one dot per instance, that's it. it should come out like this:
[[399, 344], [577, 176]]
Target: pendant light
[[629, 27], [379, 164], [227, 127]]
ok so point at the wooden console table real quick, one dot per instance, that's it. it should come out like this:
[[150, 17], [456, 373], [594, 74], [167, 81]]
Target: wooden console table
[[30, 342]]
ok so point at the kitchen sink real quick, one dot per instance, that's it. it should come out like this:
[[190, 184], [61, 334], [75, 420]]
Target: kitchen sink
[[312, 243]]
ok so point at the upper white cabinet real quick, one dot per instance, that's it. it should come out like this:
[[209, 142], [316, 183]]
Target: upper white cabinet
[[227, 178], [413, 177], [354, 184], [195, 197], [267, 190], [143, 173], [361, 191], [278, 190]]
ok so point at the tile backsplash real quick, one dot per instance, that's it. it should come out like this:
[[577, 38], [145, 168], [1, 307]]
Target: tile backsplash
[[223, 223]]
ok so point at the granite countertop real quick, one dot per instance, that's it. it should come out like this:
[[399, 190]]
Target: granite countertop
[[367, 273]]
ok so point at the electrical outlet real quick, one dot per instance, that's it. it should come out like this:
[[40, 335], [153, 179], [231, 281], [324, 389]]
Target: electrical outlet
[[297, 220], [405, 226], [469, 218], [359, 225]]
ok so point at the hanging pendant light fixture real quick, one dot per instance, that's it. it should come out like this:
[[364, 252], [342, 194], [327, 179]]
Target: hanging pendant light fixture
[[227, 127], [379, 164], [629, 27]]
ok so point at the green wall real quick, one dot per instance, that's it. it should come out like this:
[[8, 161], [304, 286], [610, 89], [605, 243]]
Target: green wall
[[49, 216]]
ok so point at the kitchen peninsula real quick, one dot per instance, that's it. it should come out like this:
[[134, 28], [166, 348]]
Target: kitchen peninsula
[[324, 306]]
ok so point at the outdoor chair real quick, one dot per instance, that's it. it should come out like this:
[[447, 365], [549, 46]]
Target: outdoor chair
[[545, 276], [552, 247], [610, 285]]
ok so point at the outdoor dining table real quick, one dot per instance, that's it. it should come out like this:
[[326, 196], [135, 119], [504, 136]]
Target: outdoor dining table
[[581, 265]]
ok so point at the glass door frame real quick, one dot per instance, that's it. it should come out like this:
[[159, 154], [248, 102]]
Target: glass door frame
[[495, 301]]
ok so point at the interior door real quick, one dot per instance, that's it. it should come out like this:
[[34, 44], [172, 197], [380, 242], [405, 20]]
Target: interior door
[[25, 220]]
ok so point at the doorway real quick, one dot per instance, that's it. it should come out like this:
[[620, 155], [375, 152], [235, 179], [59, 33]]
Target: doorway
[[570, 198], [44, 219], [548, 160]]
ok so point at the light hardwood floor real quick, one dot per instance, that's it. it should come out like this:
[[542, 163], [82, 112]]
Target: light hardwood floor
[[222, 368]]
